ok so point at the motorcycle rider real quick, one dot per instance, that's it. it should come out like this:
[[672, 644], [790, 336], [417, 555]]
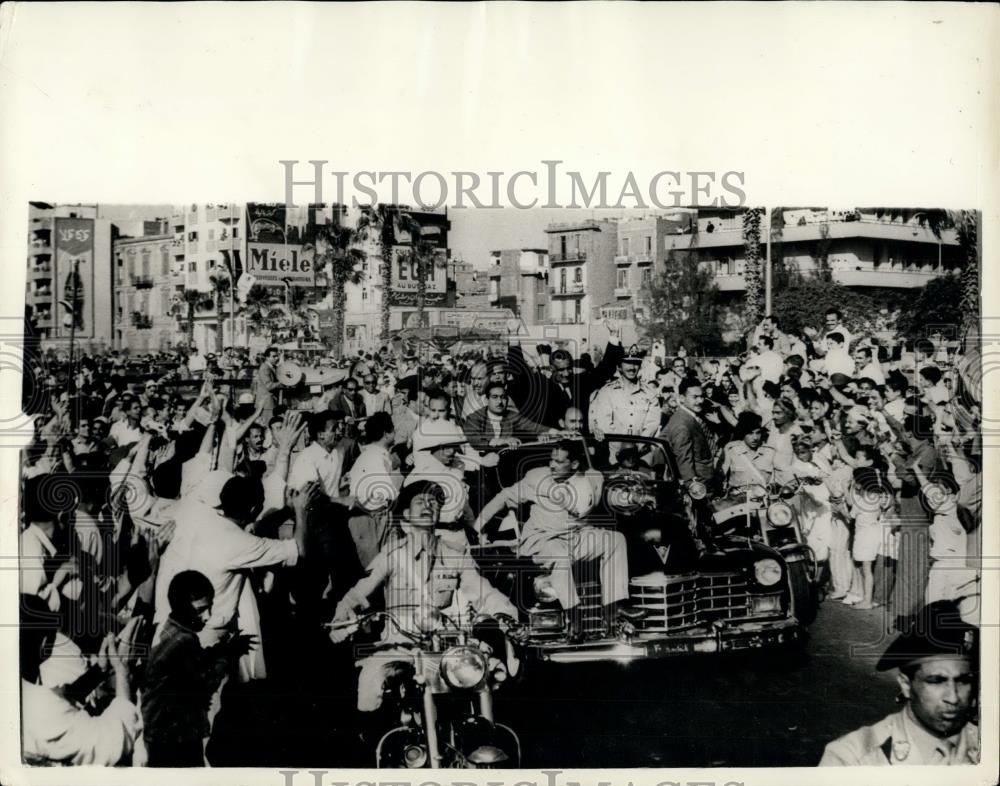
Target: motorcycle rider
[[555, 535], [747, 461], [420, 573]]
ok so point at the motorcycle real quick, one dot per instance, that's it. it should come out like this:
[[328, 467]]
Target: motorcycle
[[440, 688], [767, 513]]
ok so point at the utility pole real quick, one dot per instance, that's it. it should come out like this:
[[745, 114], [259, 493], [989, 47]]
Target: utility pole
[[767, 264]]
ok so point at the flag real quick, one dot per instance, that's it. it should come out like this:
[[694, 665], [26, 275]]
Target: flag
[[246, 281]]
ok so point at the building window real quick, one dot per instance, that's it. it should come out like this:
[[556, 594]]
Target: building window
[[145, 263], [236, 232], [211, 234], [625, 246], [562, 280], [540, 312], [578, 275], [562, 245], [623, 278], [539, 286], [648, 244], [192, 236], [647, 275]]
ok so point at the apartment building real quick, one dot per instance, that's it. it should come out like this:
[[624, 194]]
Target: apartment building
[[146, 283], [582, 275], [518, 281]]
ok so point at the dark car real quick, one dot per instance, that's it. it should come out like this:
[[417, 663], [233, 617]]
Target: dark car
[[693, 587]]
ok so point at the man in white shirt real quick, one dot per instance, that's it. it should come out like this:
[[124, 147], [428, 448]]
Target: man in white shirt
[[866, 359], [837, 361], [834, 323], [196, 363], [320, 461], [127, 431], [221, 548], [374, 487], [932, 388], [375, 400], [767, 360]]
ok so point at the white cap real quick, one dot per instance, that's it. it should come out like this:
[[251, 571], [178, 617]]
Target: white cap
[[434, 434]]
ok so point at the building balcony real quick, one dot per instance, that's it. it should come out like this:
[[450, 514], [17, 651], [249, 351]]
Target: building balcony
[[645, 258], [43, 319], [623, 292], [565, 321], [142, 282], [36, 296], [569, 256], [569, 290], [623, 259], [40, 271]]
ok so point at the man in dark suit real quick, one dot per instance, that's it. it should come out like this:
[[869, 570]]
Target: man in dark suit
[[350, 401], [496, 426], [545, 400], [689, 438]]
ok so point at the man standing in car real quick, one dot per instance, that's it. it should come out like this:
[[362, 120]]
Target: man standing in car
[[624, 405], [690, 440]]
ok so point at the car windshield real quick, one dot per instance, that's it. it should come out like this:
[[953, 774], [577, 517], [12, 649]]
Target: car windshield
[[613, 456]]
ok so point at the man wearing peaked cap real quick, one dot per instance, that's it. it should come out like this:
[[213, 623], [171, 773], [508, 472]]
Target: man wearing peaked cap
[[624, 405], [937, 658]]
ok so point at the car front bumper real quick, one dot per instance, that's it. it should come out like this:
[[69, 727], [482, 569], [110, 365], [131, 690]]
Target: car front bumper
[[706, 639]]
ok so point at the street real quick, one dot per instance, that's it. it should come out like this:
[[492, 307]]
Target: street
[[760, 710], [765, 709]]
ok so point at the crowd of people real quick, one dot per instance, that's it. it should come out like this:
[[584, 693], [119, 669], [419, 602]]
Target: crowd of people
[[184, 518]]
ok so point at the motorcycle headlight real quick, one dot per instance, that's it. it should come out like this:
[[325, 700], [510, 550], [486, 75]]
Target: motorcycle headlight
[[415, 756], [544, 590], [697, 489], [779, 514], [463, 667], [767, 572], [788, 490]]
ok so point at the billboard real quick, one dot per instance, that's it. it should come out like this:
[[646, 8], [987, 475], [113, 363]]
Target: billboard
[[275, 255], [403, 285], [73, 277]]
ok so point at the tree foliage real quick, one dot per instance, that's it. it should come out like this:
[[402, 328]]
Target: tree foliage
[[753, 272], [937, 307], [682, 308], [804, 301]]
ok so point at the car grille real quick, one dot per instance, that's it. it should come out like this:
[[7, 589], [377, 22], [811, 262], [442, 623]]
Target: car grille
[[676, 602]]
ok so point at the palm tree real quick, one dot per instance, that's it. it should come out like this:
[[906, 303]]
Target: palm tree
[[966, 226], [425, 256], [383, 222], [753, 272], [188, 306], [336, 248], [220, 288]]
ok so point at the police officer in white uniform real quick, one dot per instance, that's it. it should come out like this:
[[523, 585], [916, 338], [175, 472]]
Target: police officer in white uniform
[[624, 405], [938, 665]]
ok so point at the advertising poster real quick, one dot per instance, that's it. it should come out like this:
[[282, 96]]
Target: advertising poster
[[73, 277]]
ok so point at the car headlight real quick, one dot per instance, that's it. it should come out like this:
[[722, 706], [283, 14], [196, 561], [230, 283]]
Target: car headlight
[[463, 667], [697, 489], [544, 590], [767, 572], [779, 514]]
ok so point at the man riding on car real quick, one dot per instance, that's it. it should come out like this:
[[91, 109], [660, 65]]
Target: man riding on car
[[556, 535]]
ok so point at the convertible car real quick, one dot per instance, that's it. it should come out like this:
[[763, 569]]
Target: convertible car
[[694, 586]]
